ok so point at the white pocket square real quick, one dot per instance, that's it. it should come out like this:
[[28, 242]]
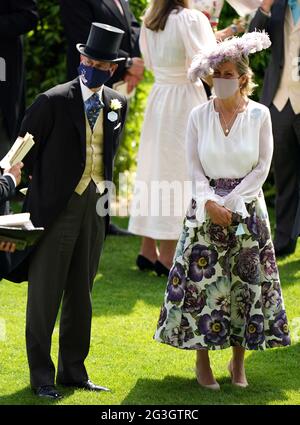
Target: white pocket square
[[119, 125]]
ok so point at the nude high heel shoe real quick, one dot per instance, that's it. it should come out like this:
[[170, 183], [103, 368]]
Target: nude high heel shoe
[[214, 387], [236, 384]]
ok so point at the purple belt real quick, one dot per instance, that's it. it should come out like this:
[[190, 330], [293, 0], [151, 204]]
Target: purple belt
[[223, 186]]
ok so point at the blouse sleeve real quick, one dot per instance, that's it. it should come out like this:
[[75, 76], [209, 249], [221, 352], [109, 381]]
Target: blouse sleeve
[[201, 190], [245, 7], [196, 33], [144, 47], [251, 185]]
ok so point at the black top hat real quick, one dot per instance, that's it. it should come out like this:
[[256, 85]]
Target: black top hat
[[103, 43]]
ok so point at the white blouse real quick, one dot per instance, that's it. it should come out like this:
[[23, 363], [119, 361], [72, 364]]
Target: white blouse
[[245, 153], [214, 8]]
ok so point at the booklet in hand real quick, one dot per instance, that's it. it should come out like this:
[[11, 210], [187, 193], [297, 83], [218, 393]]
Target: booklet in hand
[[18, 229], [18, 151]]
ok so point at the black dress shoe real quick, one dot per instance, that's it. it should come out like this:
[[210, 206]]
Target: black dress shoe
[[48, 391], [86, 385], [143, 263], [160, 269], [117, 231]]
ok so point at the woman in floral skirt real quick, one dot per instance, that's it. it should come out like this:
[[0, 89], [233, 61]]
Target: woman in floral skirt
[[223, 288]]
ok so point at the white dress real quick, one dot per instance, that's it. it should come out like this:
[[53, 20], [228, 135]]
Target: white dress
[[161, 156], [213, 8]]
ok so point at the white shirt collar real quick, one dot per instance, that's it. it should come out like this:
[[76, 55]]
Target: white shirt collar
[[87, 93]]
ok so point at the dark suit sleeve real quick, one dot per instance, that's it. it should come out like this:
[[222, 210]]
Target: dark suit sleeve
[[22, 18], [260, 21], [135, 33], [76, 17], [7, 189], [38, 121]]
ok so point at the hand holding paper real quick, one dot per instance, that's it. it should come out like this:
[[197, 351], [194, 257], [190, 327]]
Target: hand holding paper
[[15, 170], [18, 151]]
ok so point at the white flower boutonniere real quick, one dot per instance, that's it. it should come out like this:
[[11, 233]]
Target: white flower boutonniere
[[115, 105]]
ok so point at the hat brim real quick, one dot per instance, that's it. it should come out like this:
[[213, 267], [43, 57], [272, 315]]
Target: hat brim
[[81, 49]]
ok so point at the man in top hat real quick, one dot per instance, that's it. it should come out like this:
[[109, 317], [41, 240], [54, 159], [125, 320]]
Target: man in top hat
[[76, 127], [77, 16]]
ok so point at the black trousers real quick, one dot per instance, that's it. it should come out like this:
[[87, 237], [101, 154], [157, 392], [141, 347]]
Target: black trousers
[[62, 269], [286, 163]]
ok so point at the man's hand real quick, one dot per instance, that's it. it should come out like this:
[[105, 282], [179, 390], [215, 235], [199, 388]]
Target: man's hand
[[131, 81], [7, 246], [218, 215], [266, 5], [137, 68], [15, 170]]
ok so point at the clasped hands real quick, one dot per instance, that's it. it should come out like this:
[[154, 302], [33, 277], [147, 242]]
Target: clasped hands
[[219, 215]]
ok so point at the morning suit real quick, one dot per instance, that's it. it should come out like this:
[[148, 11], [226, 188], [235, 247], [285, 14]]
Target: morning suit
[[77, 16], [281, 93], [66, 164]]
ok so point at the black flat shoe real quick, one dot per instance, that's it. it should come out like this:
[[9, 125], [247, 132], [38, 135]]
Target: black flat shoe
[[160, 269], [86, 385], [117, 231], [48, 391], [143, 263]]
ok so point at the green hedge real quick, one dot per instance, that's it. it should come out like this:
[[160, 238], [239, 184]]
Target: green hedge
[[46, 67]]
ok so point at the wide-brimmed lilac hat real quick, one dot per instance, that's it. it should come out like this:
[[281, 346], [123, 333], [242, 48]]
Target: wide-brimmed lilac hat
[[232, 48]]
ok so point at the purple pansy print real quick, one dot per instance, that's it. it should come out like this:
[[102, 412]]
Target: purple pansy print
[[218, 235], [186, 332], [218, 294], [241, 299], [258, 229], [176, 283], [248, 266], [202, 261], [280, 328], [194, 301], [271, 297], [162, 316], [268, 261], [214, 327], [255, 331]]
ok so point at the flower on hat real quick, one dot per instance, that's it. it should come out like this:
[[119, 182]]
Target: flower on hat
[[115, 104], [231, 48]]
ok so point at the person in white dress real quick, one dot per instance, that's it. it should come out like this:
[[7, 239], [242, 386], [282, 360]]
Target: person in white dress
[[224, 287], [170, 37], [213, 8]]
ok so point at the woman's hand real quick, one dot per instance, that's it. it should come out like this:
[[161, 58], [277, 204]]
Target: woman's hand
[[218, 215]]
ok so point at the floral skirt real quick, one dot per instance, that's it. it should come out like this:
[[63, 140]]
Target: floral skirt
[[223, 288]]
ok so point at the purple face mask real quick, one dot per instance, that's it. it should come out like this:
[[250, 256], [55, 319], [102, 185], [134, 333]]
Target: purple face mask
[[93, 77]]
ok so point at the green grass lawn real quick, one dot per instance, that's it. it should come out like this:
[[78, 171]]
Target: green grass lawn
[[125, 358]]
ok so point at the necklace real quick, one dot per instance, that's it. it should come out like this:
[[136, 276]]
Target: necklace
[[227, 125]]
